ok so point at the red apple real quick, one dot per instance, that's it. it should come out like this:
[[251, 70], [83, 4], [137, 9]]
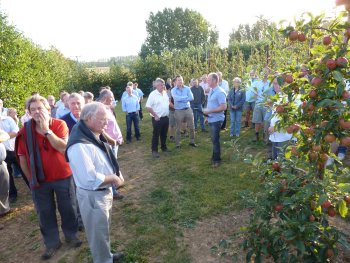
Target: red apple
[[329, 138], [331, 212], [301, 37], [278, 207], [316, 148], [276, 167], [327, 40], [342, 62], [345, 141], [312, 93], [347, 32], [347, 199], [293, 35], [345, 95], [329, 253], [331, 64], [289, 79], [279, 109], [339, 2], [316, 81], [326, 204], [312, 218]]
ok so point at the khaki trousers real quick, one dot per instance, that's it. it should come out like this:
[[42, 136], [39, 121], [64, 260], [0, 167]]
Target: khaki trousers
[[180, 117]]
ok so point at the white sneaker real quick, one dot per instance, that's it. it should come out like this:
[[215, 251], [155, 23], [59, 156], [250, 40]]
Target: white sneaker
[[341, 156], [330, 161]]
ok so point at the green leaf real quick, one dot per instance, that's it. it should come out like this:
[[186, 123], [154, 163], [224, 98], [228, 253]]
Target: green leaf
[[344, 187], [338, 76], [343, 209], [300, 245]]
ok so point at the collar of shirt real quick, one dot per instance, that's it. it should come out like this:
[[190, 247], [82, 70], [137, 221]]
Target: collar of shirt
[[72, 116]]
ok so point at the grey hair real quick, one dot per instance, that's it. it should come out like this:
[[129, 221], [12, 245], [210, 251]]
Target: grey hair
[[104, 93], [237, 79], [159, 80], [91, 109], [76, 95]]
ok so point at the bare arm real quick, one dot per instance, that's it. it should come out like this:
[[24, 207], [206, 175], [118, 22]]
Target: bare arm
[[24, 166], [150, 110], [110, 140], [221, 107]]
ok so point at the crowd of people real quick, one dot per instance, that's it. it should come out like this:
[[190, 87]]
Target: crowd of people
[[66, 151]]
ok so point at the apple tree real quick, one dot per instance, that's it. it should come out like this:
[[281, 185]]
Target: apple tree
[[293, 220]]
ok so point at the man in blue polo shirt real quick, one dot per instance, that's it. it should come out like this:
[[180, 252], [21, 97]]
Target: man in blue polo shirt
[[182, 96], [131, 106], [215, 111]]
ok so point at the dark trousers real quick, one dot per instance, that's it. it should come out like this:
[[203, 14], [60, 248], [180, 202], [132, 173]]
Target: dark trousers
[[160, 130], [223, 125], [11, 159], [132, 118], [140, 111], [215, 139], [45, 205]]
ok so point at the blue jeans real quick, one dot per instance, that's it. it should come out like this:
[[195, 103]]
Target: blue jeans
[[45, 204], [235, 128], [278, 149], [198, 112], [132, 117], [215, 128]]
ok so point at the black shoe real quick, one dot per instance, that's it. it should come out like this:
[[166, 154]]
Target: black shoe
[[118, 196], [137, 139], [118, 256], [155, 154], [128, 141], [193, 144], [166, 150], [49, 252], [74, 242], [178, 146]]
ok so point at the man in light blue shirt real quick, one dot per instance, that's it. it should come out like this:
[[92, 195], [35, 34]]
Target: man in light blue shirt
[[225, 86], [215, 111], [263, 90], [140, 95], [131, 107], [250, 97], [182, 96]]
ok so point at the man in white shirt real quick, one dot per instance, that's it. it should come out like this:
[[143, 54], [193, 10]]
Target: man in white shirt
[[158, 105], [95, 169], [8, 125]]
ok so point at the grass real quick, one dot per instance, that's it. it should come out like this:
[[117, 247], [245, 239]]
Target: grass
[[185, 189]]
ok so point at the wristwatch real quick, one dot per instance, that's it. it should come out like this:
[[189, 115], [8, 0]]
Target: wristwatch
[[49, 132]]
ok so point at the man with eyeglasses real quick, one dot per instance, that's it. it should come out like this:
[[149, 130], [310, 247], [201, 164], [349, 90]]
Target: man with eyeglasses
[[40, 147]]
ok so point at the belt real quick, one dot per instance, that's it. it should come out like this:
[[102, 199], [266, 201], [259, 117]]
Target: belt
[[184, 108], [98, 189], [132, 112]]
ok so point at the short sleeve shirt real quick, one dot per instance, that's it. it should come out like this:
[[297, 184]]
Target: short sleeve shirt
[[216, 97], [54, 163]]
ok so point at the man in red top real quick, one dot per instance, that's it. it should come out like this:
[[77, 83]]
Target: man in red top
[[40, 147]]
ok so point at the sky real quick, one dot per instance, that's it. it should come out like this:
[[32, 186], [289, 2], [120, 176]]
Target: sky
[[88, 30]]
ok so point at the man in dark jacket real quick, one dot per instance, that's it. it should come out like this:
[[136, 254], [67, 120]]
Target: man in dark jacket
[[196, 104], [236, 99]]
